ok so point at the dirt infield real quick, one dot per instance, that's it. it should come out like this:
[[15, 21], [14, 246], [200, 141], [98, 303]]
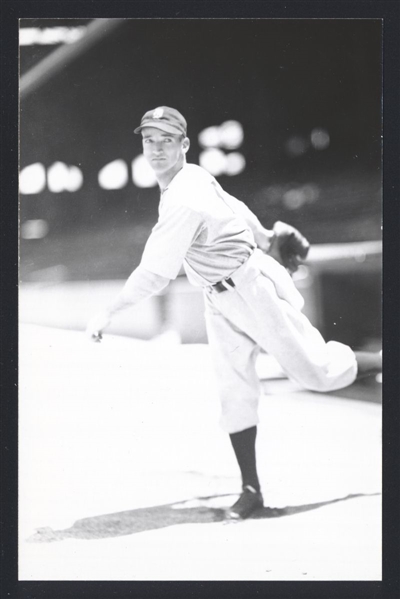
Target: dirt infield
[[124, 471]]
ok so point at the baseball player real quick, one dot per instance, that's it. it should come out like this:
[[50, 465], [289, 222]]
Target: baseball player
[[251, 300]]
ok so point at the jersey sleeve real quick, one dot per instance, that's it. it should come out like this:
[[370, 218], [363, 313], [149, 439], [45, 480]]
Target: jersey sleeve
[[170, 240]]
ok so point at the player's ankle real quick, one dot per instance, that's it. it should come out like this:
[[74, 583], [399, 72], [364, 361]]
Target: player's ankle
[[253, 487]]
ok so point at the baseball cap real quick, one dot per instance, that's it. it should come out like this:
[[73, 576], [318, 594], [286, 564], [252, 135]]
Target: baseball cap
[[164, 118]]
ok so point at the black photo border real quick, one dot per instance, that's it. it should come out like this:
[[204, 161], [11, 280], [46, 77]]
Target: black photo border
[[11, 12]]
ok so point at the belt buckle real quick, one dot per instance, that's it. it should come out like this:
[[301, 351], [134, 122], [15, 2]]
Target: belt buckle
[[228, 284], [218, 287], [224, 285]]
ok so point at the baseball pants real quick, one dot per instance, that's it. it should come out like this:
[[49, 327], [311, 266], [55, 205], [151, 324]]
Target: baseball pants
[[263, 310]]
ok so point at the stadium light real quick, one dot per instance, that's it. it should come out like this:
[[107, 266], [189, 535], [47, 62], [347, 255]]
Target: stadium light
[[142, 174], [293, 199], [114, 175], [61, 177], [320, 139], [231, 135], [29, 36], [34, 229], [209, 137], [235, 163], [214, 161], [32, 179], [75, 179]]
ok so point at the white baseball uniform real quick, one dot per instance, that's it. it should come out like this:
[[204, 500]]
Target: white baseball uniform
[[206, 230]]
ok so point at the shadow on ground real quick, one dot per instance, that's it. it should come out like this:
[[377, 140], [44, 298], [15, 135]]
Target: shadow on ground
[[161, 516], [366, 389]]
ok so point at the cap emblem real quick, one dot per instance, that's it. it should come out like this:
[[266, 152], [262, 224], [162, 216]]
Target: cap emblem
[[157, 114]]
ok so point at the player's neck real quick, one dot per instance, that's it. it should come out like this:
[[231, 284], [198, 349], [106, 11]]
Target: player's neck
[[164, 179]]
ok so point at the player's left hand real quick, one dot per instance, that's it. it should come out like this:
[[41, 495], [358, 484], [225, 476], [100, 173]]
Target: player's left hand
[[96, 325], [288, 246]]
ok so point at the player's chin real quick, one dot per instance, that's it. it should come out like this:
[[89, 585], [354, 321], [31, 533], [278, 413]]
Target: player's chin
[[157, 163], [159, 166]]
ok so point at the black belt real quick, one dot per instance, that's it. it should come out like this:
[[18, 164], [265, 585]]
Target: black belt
[[224, 285]]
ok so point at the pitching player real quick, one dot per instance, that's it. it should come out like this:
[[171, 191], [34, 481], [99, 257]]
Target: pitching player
[[251, 300]]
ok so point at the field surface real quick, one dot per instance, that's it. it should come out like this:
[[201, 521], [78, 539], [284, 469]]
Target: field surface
[[124, 472]]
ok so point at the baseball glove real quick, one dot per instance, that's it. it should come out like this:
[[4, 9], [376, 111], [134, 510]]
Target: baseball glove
[[288, 246]]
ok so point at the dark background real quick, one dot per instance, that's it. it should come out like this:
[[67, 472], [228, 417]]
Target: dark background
[[279, 78]]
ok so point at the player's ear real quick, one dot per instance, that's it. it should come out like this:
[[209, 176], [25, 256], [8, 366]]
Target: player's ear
[[185, 144]]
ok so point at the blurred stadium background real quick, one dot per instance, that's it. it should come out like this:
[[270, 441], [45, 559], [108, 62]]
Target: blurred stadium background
[[286, 114]]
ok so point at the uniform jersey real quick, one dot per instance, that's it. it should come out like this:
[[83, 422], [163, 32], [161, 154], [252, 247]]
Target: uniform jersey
[[200, 227], [206, 229]]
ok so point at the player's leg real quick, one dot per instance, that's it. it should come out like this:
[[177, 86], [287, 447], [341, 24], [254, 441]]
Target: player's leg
[[368, 363], [234, 356], [259, 307], [244, 446]]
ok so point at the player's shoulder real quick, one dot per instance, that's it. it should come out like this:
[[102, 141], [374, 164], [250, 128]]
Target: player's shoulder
[[196, 174], [191, 187]]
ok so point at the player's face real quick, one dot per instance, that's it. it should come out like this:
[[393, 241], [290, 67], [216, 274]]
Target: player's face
[[164, 151]]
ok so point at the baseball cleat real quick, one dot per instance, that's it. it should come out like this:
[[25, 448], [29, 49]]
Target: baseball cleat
[[249, 501]]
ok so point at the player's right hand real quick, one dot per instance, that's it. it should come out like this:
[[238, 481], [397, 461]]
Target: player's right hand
[[96, 325]]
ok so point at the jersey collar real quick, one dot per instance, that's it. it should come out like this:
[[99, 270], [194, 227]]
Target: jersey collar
[[173, 179]]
